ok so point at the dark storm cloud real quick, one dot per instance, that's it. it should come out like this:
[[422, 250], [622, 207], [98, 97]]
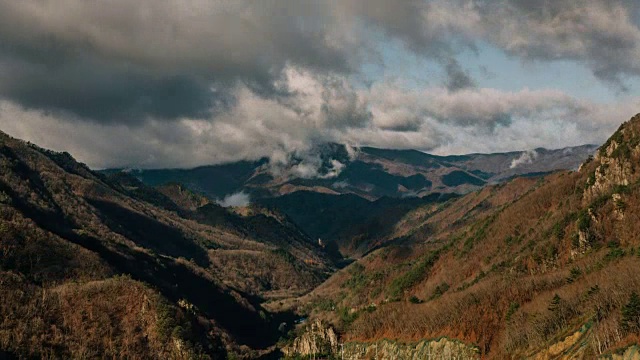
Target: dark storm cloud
[[122, 60], [457, 77], [97, 91], [403, 20], [184, 83]]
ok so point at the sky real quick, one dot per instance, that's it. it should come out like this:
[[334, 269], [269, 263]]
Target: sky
[[156, 84]]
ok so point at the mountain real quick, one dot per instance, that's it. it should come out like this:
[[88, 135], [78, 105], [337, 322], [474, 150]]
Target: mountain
[[97, 264], [368, 172], [355, 224], [541, 268], [94, 265], [356, 196]]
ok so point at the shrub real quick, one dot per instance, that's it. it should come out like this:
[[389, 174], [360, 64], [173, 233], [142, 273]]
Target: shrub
[[584, 220], [439, 290], [347, 316], [615, 252], [555, 303], [574, 274], [513, 307], [325, 305], [414, 275]]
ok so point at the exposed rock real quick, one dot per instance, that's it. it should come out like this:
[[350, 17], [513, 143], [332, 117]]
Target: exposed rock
[[565, 348], [619, 206], [611, 172], [318, 339], [442, 348], [632, 353], [616, 161], [585, 235]]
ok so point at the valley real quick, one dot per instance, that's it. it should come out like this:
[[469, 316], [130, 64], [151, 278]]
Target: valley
[[320, 180], [538, 265]]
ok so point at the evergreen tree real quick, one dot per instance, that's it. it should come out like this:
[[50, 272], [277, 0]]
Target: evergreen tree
[[631, 314], [555, 303]]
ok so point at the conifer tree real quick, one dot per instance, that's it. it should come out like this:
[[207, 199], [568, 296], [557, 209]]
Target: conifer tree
[[631, 314], [555, 303]]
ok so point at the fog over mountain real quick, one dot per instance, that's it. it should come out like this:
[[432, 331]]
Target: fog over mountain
[[189, 83], [368, 172]]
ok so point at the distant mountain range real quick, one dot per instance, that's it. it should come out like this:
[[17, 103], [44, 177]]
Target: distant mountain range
[[369, 172]]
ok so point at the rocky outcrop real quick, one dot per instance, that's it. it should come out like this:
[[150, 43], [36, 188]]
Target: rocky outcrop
[[317, 339], [320, 339], [631, 353], [612, 171], [619, 206], [442, 348], [616, 162], [571, 347]]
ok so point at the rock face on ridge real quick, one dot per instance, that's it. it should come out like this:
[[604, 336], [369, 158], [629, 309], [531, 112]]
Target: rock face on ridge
[[318, 339], [616, 161], [442, 348]]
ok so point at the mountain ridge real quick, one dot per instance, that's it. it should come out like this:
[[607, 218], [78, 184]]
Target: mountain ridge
[[367, 172], [530, 268], [85, 241]]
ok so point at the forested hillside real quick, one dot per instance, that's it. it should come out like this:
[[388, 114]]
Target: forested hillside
[[104, 266], [534, 267]]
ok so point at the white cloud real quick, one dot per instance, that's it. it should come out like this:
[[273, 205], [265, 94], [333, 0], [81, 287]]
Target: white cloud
[[235, 200], [470, 120], [526, 157], [340, 184], [180, 84]]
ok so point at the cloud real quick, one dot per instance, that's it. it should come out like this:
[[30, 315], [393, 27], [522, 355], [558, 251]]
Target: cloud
[[123, 61], [526, 157], [457, 77], [313, 169], [603, 35], [187, 83], [352, 151], [340, 184], [487, 120], [396, 108], [290, 134], [234, 200], [126, 61]]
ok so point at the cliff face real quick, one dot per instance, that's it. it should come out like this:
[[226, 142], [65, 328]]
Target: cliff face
[[610, 174], [426, 349], [631, 353], [318, 339], [615, 162]]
